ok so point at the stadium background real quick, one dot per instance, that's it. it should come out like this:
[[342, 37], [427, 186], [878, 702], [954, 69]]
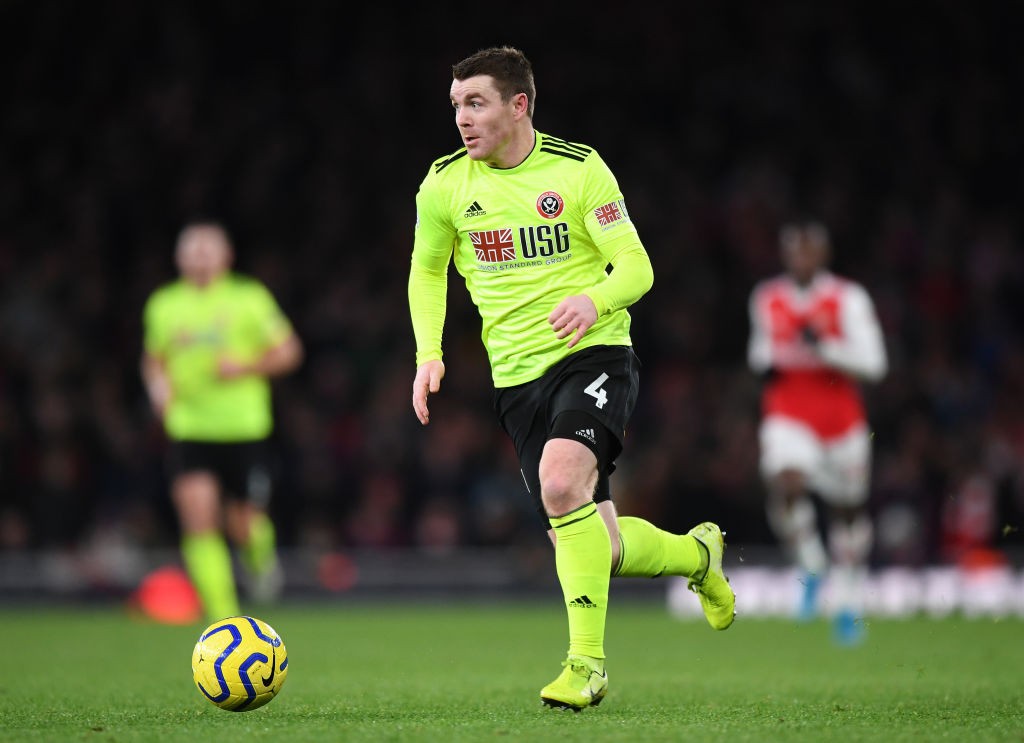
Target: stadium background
[[307, 127]]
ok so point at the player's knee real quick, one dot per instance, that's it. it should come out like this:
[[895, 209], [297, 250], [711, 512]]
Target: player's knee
[[789, 484], [198, 510], [560, 493], [237, 526], [198, 521], [846, 514]]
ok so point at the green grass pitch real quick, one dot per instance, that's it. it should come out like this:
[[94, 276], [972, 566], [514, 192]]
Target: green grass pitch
[[467, 671]]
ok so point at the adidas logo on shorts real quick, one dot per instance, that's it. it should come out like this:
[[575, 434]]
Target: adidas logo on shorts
[[588, 434]]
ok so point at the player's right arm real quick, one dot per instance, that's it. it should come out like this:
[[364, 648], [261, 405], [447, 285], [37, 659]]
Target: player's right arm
[[428, 291], [759, 344], [157, 383], [428, 380], [153, 366]]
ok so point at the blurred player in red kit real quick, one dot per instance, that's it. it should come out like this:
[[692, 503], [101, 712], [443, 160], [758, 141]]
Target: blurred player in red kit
[[815, 337]]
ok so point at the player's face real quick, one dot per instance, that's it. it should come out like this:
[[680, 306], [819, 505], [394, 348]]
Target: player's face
[[203, 254], [803, 253], [485, 123]]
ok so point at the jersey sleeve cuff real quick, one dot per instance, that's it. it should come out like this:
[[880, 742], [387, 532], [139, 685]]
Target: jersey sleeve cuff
[[599, 302]]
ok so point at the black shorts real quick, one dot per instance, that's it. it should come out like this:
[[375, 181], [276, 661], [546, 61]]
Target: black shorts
[[588, 397], [242, 468]]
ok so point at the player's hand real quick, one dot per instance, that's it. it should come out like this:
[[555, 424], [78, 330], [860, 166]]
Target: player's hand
[[573, 316], [428, 380], [809, 336]]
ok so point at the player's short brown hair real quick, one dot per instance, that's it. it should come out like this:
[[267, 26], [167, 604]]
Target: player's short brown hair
[[511, 70]]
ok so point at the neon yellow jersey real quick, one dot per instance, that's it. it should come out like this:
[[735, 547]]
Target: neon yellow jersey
[[524, 239], [190, 329]]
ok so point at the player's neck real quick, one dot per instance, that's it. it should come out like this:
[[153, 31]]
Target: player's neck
[[205, 282], [805, 281], [518, 149]]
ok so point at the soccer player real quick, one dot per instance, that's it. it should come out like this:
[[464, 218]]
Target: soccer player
[[533, 222], [213, 340], [814, 338]]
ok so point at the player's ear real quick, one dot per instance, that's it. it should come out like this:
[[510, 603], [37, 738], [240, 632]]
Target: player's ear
[[521, 104]]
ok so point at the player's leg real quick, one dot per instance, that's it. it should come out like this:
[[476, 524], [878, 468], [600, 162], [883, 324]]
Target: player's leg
[[850, 532], [248, 521], [523, 413], [567, 428], [850, 540], [196, 495], [253, 531], [790, 452], [645, 551], [583, 554]]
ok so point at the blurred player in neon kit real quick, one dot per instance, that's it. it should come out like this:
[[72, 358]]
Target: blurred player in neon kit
[[214, 339]]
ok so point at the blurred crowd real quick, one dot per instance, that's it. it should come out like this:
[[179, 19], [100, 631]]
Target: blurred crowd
[[307, 128]]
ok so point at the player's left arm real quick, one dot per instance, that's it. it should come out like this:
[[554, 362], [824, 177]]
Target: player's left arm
[[280, 359], [616, 239], [631, 277], [861, 349], [283, 350]]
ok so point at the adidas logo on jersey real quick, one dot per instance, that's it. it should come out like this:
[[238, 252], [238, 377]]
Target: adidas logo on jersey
[[474, 210], [583, 602], [588, 434]]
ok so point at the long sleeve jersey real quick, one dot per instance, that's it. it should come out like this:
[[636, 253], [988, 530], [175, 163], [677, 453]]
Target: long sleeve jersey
[[524, 239]]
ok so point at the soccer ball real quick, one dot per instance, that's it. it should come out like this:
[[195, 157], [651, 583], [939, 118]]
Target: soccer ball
[[239, 663]]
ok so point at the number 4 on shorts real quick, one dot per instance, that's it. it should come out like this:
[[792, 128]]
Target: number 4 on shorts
[[595, 390]]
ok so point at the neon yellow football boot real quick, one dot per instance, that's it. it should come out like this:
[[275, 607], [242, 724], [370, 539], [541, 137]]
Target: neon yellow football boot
[[583, 682], [716, 595]]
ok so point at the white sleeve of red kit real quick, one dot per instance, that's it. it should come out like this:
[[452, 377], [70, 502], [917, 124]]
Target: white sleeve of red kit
[[861, 349], [759, 345]]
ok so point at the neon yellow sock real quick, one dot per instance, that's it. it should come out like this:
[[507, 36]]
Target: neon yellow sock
[[583, 555], [208, 563], [259, 552], [648, 552]]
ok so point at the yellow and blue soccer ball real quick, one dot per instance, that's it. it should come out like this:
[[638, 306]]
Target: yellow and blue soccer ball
[[239, 663]]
